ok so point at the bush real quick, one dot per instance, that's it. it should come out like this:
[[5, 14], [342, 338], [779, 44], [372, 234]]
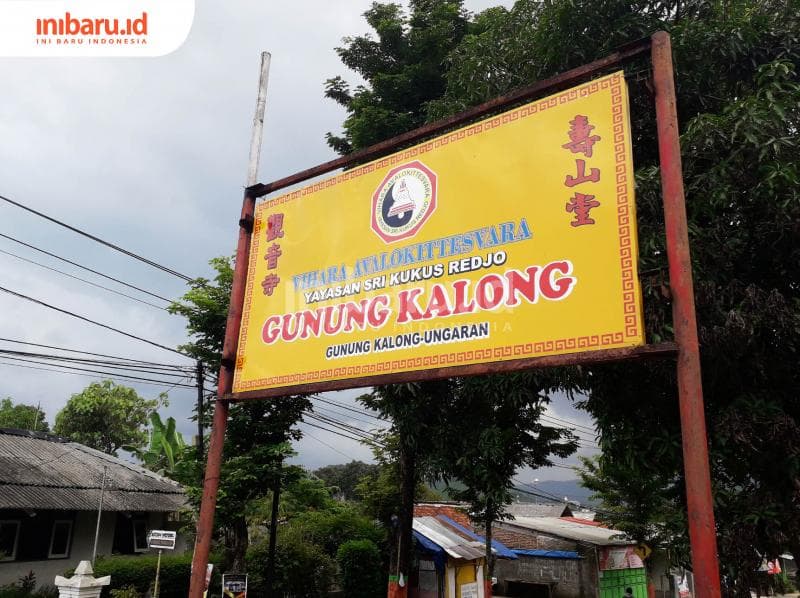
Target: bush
[[361, 569], [782, 584], [329, 529], [126, 592], [26, 588], [302, 570], [139, 573]]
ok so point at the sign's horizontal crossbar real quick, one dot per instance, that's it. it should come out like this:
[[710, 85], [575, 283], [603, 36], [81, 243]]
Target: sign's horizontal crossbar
[[524, 94], [653, 351]]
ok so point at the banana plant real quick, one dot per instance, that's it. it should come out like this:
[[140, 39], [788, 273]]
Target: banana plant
[[165, 444]]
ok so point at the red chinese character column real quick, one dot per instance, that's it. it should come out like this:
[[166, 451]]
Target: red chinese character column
[[581, 141], [273, 252], [702, 531]]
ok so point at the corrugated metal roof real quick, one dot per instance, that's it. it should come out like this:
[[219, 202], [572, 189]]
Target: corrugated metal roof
[[453, 544], [530, 509], [41, 471], [497, 547], [563, 528]]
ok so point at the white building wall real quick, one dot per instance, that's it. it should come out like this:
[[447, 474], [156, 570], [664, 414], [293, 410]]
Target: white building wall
[[81, 550]]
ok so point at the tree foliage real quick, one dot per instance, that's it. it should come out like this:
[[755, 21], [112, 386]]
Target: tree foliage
[[342, 479], [107, 417], [205, 307], [259, 433], [360, 569], [494, 430], [401, 65], [22, 417], [736, 78]]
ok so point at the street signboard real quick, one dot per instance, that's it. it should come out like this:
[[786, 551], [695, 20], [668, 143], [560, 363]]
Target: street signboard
[[161, 539], [234, 585], [511, 238]]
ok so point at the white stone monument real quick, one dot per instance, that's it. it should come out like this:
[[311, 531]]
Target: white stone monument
[[82, 584]]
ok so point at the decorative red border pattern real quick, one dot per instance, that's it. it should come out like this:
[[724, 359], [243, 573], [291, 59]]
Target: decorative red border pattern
[[632, 319]]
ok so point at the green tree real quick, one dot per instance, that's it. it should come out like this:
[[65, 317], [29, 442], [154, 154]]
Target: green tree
[[360, 566], [736, 76], [418, 412], [378, 493], [259, 433], [495, 429], [738, 108], [344, 478], [22, 417], [205, 307], [107, 417], [402, 66]]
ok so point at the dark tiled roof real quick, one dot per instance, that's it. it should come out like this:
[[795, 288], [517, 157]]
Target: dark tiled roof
[[41, 471], [455, 511]]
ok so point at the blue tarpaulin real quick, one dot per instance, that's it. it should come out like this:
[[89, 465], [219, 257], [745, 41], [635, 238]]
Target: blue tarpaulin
[[432, 548]]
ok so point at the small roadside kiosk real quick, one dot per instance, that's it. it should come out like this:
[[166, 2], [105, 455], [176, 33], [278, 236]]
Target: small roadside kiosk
[[411, 277]]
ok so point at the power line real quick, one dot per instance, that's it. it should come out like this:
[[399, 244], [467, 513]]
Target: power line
[[359, 440], [19, 342], [333, 412], [342, 426], [94, 284], [85, 319], [348, 408], [135, 367], [330, 446], [99, 240], [101, 372], [76, 264], [31, 367], [571, 423]]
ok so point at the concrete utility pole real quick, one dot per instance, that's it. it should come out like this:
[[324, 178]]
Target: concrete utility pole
[[200, 410], [99, 514], [258, 122]]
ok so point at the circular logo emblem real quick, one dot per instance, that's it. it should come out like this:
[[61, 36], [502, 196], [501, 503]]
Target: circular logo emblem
[[403, 201]]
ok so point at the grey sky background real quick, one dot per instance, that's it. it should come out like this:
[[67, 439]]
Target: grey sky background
[[151, 154]]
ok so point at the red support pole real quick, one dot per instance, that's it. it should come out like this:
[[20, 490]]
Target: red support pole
[[702, 531], [205, 521]]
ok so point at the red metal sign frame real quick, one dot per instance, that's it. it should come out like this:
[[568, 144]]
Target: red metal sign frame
[[702, 533]]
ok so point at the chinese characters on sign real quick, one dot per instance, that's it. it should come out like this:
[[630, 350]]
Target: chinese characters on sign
[[274, 232], [581, 142]]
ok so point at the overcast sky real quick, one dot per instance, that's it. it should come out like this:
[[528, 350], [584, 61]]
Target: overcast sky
[[151, 154]]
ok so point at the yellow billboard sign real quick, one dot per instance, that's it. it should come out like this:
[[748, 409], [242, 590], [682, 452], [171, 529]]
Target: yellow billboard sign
[[511, 238]]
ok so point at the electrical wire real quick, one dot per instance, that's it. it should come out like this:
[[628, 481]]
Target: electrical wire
[[334, 413], [99, 240], [124, 365], [346, 407], [571, 423], [94, 284], [65, 260], [359, 440], [360, 434], [85, 319], [102, 372], [31, 367], [330, 446], [19, 342]]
